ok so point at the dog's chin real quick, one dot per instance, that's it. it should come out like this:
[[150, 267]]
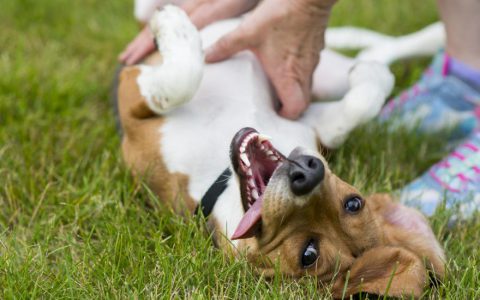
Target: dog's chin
[[254, 161]]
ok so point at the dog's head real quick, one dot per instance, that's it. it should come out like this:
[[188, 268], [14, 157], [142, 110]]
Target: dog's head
[[302, 219]]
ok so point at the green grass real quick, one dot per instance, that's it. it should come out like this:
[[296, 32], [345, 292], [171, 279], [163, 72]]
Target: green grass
[[74, 224]]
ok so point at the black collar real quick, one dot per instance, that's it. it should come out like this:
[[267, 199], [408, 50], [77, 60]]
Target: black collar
[[213, 193]]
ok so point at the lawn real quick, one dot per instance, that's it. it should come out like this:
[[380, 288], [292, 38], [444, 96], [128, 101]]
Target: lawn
[[74, 224]]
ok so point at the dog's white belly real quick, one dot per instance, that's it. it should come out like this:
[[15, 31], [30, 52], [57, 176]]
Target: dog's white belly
[[196, 136]]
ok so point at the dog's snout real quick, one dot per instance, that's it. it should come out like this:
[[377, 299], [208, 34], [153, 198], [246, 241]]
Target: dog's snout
[[305, 173]]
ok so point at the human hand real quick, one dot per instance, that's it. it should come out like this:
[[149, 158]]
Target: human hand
[[201, 12], [141, 46], [205, 12], [287, 37]]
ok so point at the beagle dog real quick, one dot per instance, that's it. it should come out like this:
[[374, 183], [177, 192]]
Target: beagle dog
[[207, 138]]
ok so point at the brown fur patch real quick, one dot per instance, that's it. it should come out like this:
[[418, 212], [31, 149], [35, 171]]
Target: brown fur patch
[[142, 143], [366, 243], [384, 270]]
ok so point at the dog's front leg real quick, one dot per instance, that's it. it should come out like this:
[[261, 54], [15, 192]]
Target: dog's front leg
[[174, 80]]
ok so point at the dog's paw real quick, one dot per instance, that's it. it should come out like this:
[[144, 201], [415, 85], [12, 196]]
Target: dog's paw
[[374, 73], [172, 27], [176, 79], [370, 84], [384, 53]]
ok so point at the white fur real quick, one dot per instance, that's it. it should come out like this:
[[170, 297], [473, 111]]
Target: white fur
[[175, 80], [144, 9], [354, 38], [421, 43], [235, 93], [196, 136], [370, 84], [387, 49]]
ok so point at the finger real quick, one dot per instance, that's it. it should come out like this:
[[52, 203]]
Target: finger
[[127, 51], [140, 52], [190, 6], [133, 45], [294, 98], [200, 13], [202, 16], [228, 45], [132, 57], [122, 56]]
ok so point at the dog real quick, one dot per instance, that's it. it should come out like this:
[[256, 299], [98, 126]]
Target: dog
[[197, 135]]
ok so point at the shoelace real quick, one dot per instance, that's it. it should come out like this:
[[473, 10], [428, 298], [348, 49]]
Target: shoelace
[[461, 167], [415, 90]]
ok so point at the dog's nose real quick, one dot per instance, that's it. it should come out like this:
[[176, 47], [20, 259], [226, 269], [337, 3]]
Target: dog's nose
[[305, 173]]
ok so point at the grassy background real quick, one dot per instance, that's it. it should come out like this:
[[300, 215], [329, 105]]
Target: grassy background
[[73, 223]]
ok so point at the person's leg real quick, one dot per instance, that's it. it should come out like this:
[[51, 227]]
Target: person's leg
[[462, 25], [456, 179], [448, 94]]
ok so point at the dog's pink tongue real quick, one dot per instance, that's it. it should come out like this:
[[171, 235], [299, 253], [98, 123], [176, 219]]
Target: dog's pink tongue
[[250, 221]]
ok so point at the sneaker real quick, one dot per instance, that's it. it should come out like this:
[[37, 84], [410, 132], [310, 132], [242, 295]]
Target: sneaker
[[438, 103], [455, 179]]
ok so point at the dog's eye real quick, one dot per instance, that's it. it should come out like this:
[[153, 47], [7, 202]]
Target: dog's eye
[[310, 254], [353, 204]]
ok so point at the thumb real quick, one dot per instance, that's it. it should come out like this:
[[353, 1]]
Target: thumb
[[294, 99], [227, 46]]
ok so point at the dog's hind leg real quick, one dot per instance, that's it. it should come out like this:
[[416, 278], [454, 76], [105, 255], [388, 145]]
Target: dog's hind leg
[[384, 48], [330, 78], [354, 38], [370, 83], [364, 82], [424, 42]]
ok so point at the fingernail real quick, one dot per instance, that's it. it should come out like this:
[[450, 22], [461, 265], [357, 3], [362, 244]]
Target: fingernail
[[209, 54], [297, 98]]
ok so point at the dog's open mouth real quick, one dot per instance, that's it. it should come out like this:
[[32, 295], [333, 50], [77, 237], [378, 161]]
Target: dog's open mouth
[[254, 160]]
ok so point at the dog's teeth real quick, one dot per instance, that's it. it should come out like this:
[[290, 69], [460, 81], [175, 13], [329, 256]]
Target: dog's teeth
[[273, 157], [263, 137], [249, 172], [243, 146], [245, 160], [250, 136], [251, 182], [245, 142], [255, 195], [270, 153]]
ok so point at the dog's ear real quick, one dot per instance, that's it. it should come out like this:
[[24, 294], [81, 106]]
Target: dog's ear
[[407, 228], [391, 271]]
